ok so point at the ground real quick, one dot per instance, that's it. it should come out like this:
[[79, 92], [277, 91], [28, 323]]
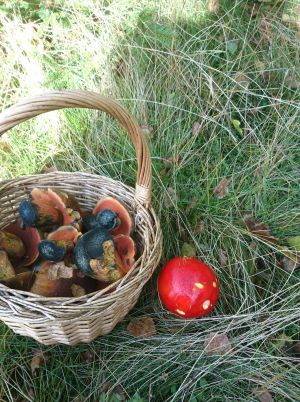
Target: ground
[[215, 87]]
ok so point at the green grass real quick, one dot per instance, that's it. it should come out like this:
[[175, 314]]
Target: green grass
[[171, 63]]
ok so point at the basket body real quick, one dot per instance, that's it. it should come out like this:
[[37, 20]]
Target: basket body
[[74, 320]]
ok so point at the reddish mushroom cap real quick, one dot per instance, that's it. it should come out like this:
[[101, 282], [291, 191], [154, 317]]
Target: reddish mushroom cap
[[187, 287], [30, 237], [126, 224], [64, 233], [126, 249]]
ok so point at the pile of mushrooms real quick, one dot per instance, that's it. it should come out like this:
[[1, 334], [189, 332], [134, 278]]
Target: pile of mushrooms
[[56, 249]]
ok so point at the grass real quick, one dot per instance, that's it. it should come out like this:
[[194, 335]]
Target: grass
[[171, 64]]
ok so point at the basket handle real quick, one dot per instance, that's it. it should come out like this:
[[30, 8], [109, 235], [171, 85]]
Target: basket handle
[[54, 100]]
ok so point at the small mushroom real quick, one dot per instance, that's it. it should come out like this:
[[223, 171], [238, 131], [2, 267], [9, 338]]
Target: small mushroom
[[39, 214], [12, 244], [22, 281], [61, 286], [126, 249], [52, 251], [6, 269], [109, 203], [30, 237]]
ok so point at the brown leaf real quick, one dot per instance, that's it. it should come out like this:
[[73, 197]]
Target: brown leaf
[[263, 395], [199, 227], [221, 189], [242, 80], [223, 258], [289, 265], [4, 143], [259, 229], [49, 169], [191, 205], [217, 344], [213, 6], [196, 128], [111, 389], [142, 327], [38, 359], [292, 82], [87, 357]]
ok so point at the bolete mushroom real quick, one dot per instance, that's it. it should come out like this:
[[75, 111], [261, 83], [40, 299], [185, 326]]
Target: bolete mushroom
[[111, 204], [12, 244], [187, 287], [30, 237], [6, 269], [126, 249]]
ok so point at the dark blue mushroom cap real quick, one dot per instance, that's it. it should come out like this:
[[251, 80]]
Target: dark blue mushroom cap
[[50, 251], [89, 222], [107, 219], [28, 213]]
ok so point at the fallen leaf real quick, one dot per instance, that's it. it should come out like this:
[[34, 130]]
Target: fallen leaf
[[242, 80], [217, 344], [142, 327], [221, 189], [232, 46], [87, 356], [292, 83], [263, 395], [259, 229], [213, 6], [49, 169], [237, 126], [223, 260], [188, 250], [146, 130], [116, 390], [196, 128], [38, 359], [294, 243], [288, 264], [199, 227], [191, 205]]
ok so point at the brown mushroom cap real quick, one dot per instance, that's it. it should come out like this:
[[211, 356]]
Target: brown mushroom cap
[[126, 249], [22, 281], [126, 223], [6, 269], [12, 244], [30, 237]]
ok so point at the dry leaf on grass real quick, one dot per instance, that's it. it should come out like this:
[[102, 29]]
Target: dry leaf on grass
[[288, 264], [39, 358], [259, 229], [87, 357], [217, 344], [191, 205], [263, 395], [223, 258], [196, 128], [242, 80], [117, 390], [49, 169], [142, 327], [292, 82], [199, 227], [213, 6], [4, 143], [221, 189]]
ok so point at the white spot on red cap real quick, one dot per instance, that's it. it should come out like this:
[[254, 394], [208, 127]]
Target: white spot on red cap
[[199, 285], [206, 304], [214, 284], [180, 312]]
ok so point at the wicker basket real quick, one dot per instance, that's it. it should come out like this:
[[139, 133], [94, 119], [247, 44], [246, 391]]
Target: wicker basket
[[81, 319]]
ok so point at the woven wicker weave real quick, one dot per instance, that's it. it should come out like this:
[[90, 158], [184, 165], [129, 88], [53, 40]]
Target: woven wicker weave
[[73, 320]]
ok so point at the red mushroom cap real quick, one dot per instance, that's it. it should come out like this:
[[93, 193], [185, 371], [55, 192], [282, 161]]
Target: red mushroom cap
[[114, 205], [187, 287], [126, 249]]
